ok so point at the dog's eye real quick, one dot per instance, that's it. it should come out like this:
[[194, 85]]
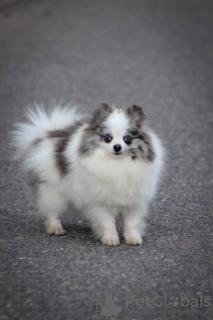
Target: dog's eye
[[127, 139], [108, 138]]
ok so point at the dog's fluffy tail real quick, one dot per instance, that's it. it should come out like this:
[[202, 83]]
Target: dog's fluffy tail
[[38, 122]]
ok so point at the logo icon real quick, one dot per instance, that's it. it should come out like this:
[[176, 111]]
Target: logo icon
[[108, 307], [173, 301]]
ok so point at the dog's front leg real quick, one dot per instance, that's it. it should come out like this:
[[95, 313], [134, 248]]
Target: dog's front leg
[[134, 226], [103, 225]]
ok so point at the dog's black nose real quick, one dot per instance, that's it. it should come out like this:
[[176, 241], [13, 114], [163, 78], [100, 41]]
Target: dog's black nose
[[117, 147]]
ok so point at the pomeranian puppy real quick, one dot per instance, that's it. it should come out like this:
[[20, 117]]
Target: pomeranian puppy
[[107, 166]]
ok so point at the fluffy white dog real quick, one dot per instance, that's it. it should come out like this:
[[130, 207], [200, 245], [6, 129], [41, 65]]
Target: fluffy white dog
[[106, 166]]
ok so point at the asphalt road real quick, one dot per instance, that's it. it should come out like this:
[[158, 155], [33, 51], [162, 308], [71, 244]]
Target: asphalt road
[[158, 54]]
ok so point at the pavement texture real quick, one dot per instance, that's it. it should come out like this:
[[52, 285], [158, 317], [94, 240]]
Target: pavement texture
[[158, 54]]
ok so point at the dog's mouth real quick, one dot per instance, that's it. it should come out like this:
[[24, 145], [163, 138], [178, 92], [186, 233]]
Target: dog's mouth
[[117, 153]]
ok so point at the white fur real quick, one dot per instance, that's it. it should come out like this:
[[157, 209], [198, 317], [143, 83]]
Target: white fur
[[100, 184]]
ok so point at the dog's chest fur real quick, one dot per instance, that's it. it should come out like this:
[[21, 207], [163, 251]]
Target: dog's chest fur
[[108, 180]]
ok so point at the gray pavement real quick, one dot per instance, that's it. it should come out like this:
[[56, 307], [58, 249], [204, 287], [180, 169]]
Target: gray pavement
[[158, 54]]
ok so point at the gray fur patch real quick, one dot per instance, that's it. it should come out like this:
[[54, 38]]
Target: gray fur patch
[[62, 138], [142, 147], [141, 144], [136, 115], [33, 180], [36, 142], [133, 154], [101, 113], [33, 145], [90, 141], [93, 134], [146, 147]]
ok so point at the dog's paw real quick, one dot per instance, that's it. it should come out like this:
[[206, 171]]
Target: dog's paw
[[57, 231], [110, 241], [56, 228], [135, 240]]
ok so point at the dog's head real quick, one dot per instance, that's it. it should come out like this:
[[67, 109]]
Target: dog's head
[[119, 132]]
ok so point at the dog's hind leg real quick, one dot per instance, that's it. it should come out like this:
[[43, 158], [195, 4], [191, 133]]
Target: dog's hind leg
[[51, 205]]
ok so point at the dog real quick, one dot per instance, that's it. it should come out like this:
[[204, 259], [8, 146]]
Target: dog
[[107, 166]]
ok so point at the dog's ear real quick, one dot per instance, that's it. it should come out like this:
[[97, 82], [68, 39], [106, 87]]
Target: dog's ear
[[104, 107], [101, 114], [136, 114]]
